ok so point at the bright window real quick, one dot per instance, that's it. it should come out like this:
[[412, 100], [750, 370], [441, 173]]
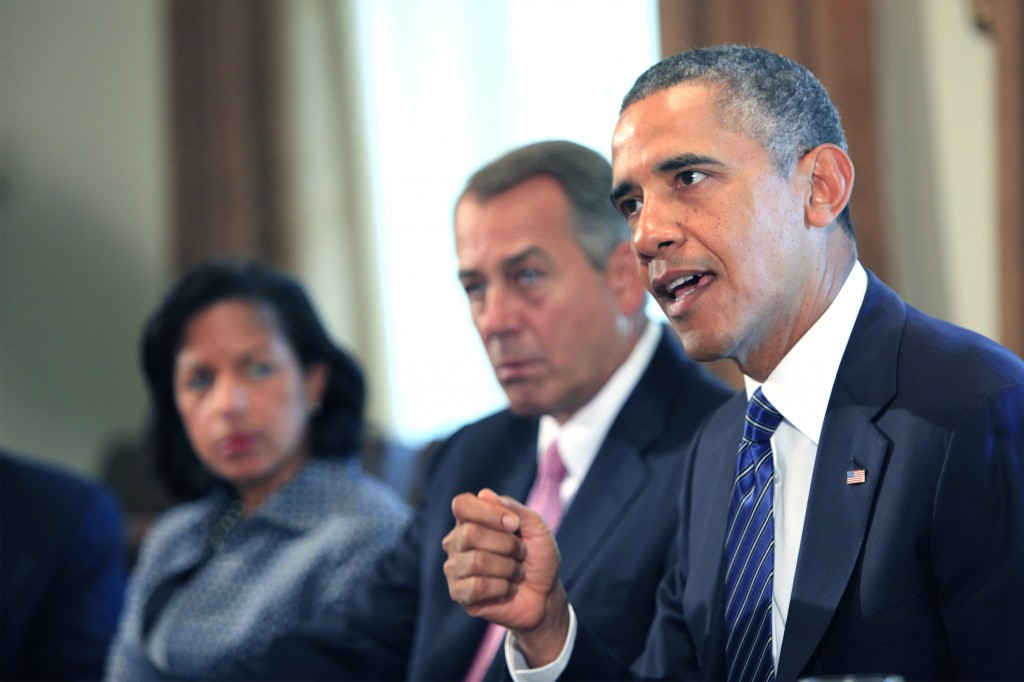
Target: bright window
[[449, 85]]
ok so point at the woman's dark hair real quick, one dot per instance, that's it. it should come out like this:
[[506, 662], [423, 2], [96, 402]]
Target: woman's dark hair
[[336, 430]]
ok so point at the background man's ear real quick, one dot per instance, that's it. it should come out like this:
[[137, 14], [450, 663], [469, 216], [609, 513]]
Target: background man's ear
[[624, 280]]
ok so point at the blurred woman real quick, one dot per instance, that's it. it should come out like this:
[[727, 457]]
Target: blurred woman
[[257, 418]]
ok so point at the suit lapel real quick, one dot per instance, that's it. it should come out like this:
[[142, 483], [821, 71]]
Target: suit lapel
[[837, 512], [613, 484], [711, 488], [508, 469], [518, 467], [837, 521], [619, 471]]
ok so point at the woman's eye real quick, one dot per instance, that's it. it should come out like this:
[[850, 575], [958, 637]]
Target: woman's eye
[[261, 370], [199, 381], [691, 177]]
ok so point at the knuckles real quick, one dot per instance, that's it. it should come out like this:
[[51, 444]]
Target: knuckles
[[463, 565], [462, 504], [477, 591], [463, 538], [470, 535]]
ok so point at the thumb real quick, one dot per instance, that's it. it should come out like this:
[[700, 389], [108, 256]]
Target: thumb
[[531, 524]]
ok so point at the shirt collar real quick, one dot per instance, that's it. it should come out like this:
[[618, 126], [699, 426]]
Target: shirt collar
[[300, 503], [801, 385], [581, 436]]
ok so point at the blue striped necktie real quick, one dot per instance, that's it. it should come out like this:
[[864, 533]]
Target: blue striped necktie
[[750, 548]]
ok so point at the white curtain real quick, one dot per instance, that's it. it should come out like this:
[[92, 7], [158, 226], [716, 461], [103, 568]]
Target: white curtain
[[398, 102]]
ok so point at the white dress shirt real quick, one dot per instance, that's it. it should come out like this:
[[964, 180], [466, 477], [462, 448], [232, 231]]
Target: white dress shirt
[[581, 436], [799, 388]]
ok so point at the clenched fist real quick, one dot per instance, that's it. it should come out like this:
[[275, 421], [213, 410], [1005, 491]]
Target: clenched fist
[[503, 566]]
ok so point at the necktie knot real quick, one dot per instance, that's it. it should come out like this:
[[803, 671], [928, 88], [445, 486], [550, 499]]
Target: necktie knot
[[551, 466], [762, 419], [545, 497]]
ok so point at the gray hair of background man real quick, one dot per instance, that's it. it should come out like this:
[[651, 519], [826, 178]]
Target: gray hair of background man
[[586, 179], [763, 95]]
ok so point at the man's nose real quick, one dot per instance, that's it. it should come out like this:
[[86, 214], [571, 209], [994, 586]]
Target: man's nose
[[656, 228], [499, 315]]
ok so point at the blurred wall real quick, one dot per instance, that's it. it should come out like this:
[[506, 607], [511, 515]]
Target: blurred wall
[[84, 207], [83, 219], [936, 73]]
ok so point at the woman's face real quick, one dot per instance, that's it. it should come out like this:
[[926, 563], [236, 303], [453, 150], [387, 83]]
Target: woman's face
[[243, 397]]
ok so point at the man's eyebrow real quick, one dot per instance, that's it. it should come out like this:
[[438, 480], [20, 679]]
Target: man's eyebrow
[[468, 273], [685, 161], [518, 258], [619, 191], [669, 165], [510, 262]]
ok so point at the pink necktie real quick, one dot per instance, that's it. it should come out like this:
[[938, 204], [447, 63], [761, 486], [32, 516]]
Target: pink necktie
[[546, 500]]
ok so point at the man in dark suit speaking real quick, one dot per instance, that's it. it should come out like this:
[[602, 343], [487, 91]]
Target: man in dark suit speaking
[[863, 512], [601, 403]]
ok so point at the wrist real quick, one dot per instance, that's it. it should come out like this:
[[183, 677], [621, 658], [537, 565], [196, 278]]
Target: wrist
[[544, 643]]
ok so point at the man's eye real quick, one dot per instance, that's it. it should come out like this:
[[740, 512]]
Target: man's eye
[[528, 275], [691, 177], [630, 207], [473, 289]]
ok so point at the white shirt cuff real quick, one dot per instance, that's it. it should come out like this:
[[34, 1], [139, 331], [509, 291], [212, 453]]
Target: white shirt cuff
[[519, 668]]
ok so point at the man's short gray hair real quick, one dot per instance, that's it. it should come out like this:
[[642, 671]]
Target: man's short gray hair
[[584, 175], [761, 94]]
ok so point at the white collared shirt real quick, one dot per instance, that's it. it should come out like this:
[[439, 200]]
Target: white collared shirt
[[581, 436], [800, 388]]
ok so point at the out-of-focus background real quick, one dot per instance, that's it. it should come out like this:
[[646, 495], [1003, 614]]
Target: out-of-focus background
[[333, 136]]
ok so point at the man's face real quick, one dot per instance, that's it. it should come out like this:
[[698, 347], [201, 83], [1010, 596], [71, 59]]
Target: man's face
[[548, 319], [716, 230]]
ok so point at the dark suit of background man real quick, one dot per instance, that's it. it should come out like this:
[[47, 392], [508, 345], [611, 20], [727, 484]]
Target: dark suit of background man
[[555, 296], [62, 572], [898, 480]]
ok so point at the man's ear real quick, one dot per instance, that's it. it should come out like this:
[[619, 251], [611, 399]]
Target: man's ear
[[830, 170], [624, 280]]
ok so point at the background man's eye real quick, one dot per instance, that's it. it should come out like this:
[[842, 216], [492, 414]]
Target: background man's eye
[[529, 275]]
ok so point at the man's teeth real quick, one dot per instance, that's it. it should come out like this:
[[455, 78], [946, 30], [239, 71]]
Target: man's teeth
[[684, 281]]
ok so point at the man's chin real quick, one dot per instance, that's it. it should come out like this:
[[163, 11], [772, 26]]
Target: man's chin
[[526, 403], [527, 409], [702, 346]]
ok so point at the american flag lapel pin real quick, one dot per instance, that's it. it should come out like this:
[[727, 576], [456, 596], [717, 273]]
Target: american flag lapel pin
[[855, 476]]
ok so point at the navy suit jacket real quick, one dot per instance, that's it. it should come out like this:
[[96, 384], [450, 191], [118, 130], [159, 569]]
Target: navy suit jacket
[[919, 571], [62, 572], [614, 538]]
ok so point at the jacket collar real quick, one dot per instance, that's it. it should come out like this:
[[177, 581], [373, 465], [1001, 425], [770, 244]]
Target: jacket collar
[[865, 384]]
